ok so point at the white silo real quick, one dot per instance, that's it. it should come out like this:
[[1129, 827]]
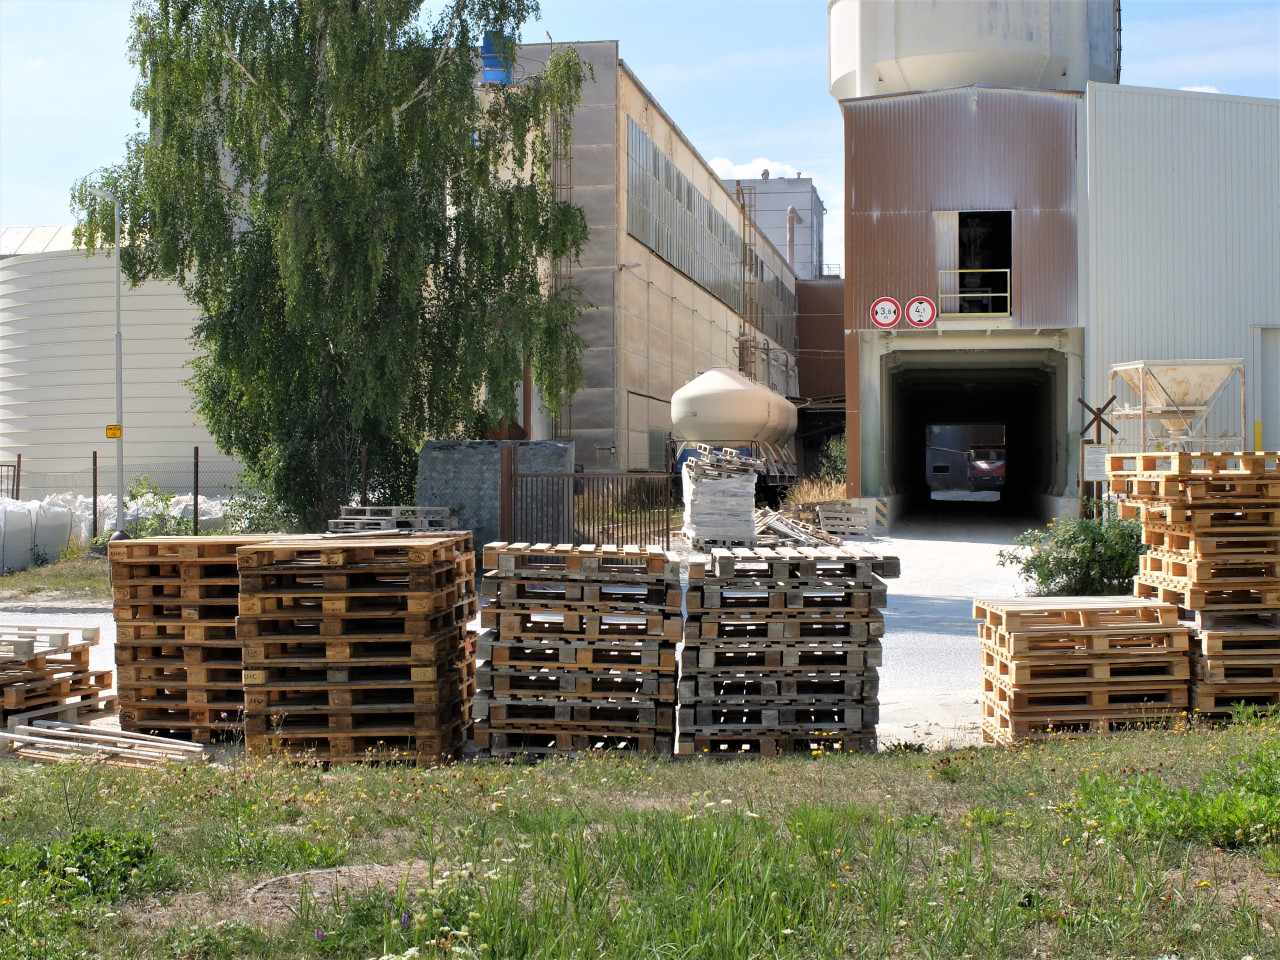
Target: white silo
[[57, 370], [894, 46]]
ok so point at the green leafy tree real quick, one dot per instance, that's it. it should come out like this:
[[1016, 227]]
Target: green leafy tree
[[364, 229]]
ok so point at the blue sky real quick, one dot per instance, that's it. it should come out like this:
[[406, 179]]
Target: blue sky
[[745, 79]]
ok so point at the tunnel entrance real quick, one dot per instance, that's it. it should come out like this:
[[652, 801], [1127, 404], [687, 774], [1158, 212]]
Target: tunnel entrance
[[1019, 392]]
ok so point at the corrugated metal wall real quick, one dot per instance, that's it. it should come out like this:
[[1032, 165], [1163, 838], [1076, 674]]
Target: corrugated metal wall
[[57, 365], [970, 148], [1182, 245]]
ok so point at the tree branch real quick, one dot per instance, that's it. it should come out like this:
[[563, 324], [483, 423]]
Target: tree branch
[[231, 55]]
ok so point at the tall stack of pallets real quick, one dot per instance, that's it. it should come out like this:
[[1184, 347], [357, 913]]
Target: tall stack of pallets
[[579, 650], [783, 651], [356, 647], [1079, 665], [45, 674], [1211, 522], [178, 661]]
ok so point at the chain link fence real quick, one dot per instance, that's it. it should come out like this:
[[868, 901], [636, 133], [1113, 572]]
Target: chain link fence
[[217, 477]]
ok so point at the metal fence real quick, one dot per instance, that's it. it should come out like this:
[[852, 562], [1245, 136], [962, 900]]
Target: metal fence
[[10, 479], [217, 477], [618, 508]]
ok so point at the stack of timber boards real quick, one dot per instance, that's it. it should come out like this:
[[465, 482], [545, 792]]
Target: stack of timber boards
[[178, 660], [44, 672], [1211, 522], [355, 648], [784, 650], [1079, 665], [580, 649]]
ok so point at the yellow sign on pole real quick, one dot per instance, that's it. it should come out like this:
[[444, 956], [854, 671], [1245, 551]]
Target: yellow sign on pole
[[114, 431]]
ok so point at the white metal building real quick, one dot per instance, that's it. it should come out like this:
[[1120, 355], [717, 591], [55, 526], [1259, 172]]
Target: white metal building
[[57, 369]]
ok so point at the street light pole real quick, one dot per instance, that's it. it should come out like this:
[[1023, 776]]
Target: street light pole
[[120, 532]]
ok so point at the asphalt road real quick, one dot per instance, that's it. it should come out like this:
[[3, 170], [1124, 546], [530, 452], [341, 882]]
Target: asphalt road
[[932, 673]]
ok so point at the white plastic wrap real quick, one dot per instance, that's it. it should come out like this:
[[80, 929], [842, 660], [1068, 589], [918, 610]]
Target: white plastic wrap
[[15, 547], [719, 509]]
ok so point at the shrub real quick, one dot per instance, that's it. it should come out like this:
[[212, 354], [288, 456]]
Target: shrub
[[830, 463], [1079, 556]]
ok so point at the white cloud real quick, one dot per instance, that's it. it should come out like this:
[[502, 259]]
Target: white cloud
[[34, 63], [751, 170], [1201, 89]]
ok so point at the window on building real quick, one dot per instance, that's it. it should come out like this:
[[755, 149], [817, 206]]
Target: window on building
[[975, 262]]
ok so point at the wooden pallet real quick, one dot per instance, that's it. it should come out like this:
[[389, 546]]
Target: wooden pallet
[[527, 714], [361, 623], [816, 688], [1053, 614], [1264, 595], [411, 550], [1222, 698], [1082, 670], [58, 741], [1054, 643], [77, 711], [773, 745], [576, 683], [524, 625], [843, 519], [786, 563], [586, 562], [1214, 572], [602, 655], [1179, 490], [519, 593], [711, 597], [1257, 670], [512, 744], [1218, 518], [746, 716], [744, 626], [1257, 641], [1072, 698], [1178, 540], [999, 727], [1211, 464], [324, 747], [772, 656], [22, 643]]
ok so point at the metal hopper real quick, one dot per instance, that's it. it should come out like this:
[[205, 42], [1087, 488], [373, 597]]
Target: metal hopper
[[1175, 398]]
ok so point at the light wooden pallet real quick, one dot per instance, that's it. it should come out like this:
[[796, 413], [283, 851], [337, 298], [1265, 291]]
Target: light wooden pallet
[[785, 563], [713, 597], [1257, 670], [1261, 595], [778, 658], [585, 562], [1177, 539], [1073, 698], [1086, 670], [1179, 490], [1058, 642], [1215, 572], [1195, 465], [1215, 518], [1053, 614]]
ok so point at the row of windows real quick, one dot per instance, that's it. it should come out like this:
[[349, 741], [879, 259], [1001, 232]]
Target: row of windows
[[679, 224]]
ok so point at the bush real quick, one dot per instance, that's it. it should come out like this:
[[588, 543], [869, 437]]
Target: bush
[[831, 462], [1079, 557]]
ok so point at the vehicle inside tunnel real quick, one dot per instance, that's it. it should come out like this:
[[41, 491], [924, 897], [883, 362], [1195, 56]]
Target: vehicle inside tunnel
[[1018, 392]]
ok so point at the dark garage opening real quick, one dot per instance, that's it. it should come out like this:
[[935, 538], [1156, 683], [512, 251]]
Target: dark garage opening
[[955, 388]]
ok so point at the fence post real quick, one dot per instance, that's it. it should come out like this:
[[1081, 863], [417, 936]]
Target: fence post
[[94, 536], [195, 484], [17, 479], [364, 474], [506, 481]]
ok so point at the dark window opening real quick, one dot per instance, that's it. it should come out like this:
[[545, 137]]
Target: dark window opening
[[986, 261]]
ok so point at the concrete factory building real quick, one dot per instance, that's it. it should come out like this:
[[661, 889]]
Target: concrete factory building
[[1051, 223], [679, 279]]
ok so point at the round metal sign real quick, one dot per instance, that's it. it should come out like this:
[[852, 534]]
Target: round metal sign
[[921, 311], [885, 312]]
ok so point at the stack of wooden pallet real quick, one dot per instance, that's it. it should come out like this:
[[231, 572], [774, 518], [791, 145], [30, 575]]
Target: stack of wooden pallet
[[1211, 522], [361, 519], [45, 674], [1079, 664], [784, 650], [356, 647], [579, 651], [178, 660]]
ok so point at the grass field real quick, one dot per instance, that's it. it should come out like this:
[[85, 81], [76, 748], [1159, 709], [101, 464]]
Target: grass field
[[77, 579], [1146, 845]]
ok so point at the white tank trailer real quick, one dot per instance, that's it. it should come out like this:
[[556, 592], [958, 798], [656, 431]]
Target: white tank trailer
[[722, 408], [881, 47]]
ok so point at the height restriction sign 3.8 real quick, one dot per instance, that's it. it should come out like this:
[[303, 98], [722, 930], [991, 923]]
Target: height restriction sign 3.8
[[921, 312], [885, 312]]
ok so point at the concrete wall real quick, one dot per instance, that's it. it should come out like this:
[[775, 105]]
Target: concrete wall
[[466, 477]]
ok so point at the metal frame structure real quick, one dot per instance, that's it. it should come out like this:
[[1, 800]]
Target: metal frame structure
[[1186, 420]]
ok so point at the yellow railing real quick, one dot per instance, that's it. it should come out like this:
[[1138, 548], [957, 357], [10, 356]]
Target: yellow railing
[[956, 300]]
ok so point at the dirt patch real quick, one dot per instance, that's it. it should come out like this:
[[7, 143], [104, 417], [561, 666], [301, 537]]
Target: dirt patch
[[278, 900]]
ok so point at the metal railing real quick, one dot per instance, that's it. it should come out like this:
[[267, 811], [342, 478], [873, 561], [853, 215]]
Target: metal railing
[[576, 508], [11, 479], [980, 298]]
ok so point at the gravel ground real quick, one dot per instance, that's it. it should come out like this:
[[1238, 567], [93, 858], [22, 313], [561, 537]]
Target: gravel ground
[[931, 678]]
